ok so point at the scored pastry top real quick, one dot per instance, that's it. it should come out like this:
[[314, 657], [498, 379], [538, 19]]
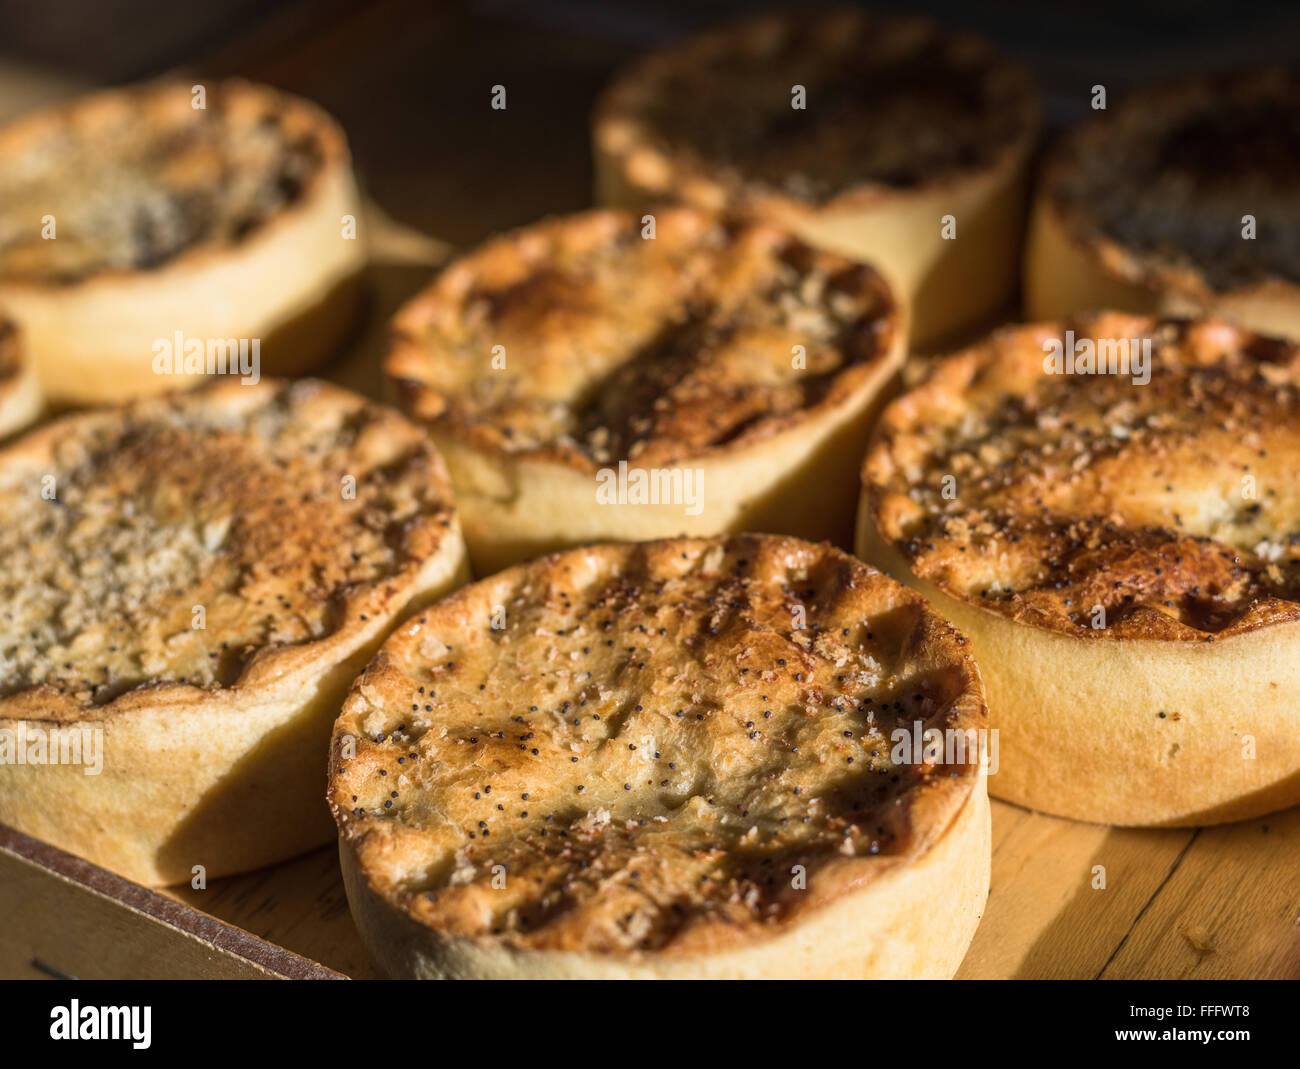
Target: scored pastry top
[[581, 340], [629, 747], [890, 102], [1173, 505], [135, 178], [1162, 181], [290, 515]]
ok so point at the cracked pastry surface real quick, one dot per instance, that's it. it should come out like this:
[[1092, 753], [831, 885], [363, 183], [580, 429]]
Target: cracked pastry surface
[[647, 743], [1195, 157], [1173, 505], [657, 350], [235, 498], [890, 102], [138, 177]]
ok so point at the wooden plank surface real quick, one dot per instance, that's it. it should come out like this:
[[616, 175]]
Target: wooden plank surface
[[410, 83], [66, 918], [1045, 917], [1229, 908], [299, 905]]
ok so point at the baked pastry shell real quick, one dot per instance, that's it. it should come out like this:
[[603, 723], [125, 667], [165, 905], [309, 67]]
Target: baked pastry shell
[[1142, 724], [1067, 272], [1071, 265], [514, 508], [294, 282], [910, 914], [952, 287], [914, 921], [517, 505], [228, 778], [1079, 730]]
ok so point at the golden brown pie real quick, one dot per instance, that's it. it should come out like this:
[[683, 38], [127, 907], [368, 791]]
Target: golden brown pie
[[1182, 200], [189, 585], [880, 137], [586, 382], [1118, 532], [686, 758], [145, 240]]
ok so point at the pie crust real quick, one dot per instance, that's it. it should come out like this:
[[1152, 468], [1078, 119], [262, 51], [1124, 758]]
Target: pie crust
[[1125, 559], [130, 218], [903, 124], [587, 383], [190, 583], [666, 759], [1144, 208]]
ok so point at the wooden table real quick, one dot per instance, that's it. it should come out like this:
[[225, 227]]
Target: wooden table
[[411, 85]]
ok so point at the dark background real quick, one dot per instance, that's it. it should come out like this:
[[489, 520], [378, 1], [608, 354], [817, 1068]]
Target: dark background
[[410, 80]]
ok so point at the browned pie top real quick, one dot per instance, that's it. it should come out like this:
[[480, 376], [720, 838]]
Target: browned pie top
[[287, 512], [649, 742], [1163, 180], [609, 345], [891, 102], [1175, 505], [136, 177]]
